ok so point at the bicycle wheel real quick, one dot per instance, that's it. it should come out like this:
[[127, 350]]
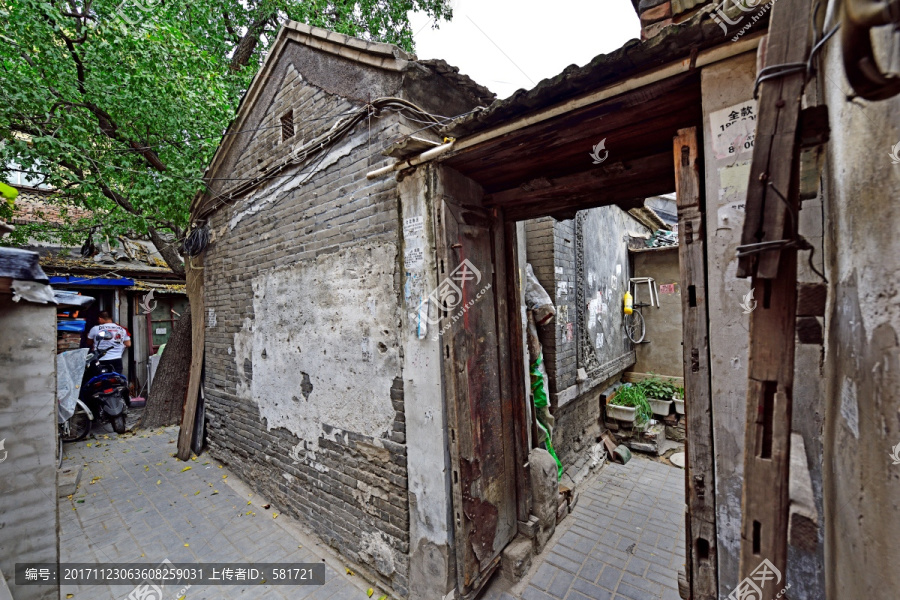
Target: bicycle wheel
[[634, 327], [78, 427]]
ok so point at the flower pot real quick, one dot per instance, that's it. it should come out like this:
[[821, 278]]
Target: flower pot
[[679, 406], [660, 407], [621, 413]]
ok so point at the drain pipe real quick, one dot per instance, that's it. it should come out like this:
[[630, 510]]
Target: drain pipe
[[411, 162]]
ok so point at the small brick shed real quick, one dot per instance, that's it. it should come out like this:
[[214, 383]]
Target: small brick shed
[[314, 393]]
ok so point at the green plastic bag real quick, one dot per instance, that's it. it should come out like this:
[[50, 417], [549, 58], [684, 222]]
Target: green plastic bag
[[541, 402]]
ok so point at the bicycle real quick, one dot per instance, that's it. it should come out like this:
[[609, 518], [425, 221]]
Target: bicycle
[[635, 328]]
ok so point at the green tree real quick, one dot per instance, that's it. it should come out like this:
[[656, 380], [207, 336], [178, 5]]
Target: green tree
[[120, 105]]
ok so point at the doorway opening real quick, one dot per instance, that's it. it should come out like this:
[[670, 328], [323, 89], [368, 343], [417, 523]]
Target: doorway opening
[[650, 147]]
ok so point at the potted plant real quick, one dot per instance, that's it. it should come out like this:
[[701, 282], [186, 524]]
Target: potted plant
[[629, 403], [659, 394], [678, 397]]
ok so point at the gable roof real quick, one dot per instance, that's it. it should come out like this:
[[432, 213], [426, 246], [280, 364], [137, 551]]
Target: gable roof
[[379, 55]]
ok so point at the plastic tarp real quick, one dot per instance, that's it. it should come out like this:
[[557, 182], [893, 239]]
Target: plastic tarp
[[537, 299], [74, 325], [69, 372]]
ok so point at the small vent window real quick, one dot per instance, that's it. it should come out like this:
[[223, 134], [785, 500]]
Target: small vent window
[[287, 125]]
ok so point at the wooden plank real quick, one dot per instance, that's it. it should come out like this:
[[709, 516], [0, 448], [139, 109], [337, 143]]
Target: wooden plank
[[775, 145], [518, 387], [194, 280], [635, 377], [702, 549], [767, 437]]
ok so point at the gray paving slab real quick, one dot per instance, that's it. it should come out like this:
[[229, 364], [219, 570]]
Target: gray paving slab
[[623, 541], [137, 503]]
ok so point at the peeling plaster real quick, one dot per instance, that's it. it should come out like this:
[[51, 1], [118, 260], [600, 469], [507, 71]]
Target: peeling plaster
[[267, 194], [299, 359]]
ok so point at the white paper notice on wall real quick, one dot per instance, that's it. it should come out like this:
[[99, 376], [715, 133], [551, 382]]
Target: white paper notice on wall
[[413, 227], [160, 331], [413, 257], [733, 129], [414, 240]]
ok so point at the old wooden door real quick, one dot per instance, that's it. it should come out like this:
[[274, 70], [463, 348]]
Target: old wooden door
[[480, 414]]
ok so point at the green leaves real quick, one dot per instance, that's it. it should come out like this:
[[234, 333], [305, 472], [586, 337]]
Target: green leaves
[[121, 105]]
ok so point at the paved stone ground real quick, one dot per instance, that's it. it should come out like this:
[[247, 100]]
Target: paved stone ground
[[623, 541], [141, 507]]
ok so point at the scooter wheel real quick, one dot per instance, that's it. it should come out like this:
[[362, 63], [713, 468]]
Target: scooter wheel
[[118, 424]]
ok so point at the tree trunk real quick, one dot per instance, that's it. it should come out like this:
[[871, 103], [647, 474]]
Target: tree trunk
[[167, 392]]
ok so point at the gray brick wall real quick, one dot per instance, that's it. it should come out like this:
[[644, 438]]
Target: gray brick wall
[[349, 488]]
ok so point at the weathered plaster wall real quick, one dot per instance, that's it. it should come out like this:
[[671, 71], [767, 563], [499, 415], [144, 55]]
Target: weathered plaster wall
[[28, 515], [727, 144], [432, 571], [664, 354], [862, 403]]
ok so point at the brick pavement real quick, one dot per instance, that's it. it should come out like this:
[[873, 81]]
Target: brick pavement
[[141, 507], [623, 541]]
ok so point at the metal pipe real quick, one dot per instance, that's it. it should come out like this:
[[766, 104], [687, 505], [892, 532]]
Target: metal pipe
[[411, 162]]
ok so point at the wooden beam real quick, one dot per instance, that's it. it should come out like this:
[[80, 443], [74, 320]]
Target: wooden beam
[[767, 435], [590, 181], [776, 144], [702, 546]]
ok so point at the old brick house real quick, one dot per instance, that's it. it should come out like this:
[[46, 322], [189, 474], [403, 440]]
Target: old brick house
[[314, 391]]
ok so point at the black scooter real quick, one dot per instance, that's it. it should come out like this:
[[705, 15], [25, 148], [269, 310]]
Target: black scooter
[[104, 397]]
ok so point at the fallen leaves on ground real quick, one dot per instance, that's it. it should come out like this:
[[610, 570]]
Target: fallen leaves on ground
[[187, 468]]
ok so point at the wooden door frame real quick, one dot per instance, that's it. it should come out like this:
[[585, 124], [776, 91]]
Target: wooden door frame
[[701, 544]]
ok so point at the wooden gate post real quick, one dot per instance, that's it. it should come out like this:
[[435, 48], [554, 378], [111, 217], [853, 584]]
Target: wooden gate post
[[701, 546], [768, 252]]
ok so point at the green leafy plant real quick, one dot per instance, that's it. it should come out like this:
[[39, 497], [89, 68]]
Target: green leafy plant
[[634, 396], [658, 389], [119, 106], [679, 393]]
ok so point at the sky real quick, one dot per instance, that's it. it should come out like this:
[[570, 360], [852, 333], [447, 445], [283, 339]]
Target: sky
[[511, 44]]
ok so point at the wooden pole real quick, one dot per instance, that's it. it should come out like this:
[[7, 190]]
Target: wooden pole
[[701, 549]]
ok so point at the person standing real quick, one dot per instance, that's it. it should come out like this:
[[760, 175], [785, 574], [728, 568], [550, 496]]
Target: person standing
[[115, 346]]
